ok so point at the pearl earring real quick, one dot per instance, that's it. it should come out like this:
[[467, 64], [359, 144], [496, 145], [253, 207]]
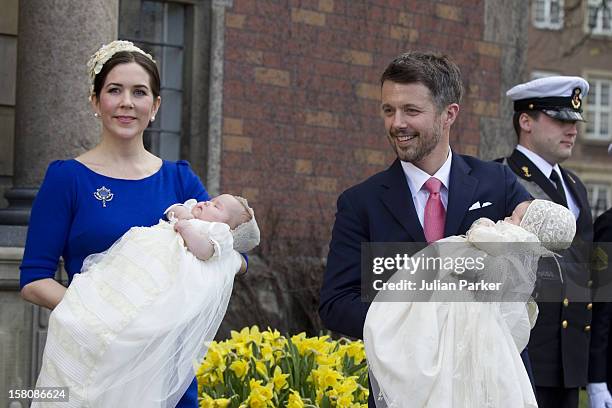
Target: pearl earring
[[96, 114], [152, 118]]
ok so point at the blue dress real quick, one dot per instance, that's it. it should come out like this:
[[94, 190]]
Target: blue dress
[[78, 212]]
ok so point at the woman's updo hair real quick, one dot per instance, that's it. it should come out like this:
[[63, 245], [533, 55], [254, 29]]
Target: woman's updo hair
[[126, 57]]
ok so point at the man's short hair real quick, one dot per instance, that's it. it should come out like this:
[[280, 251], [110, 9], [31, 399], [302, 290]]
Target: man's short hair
[[436, 71], [534, 114]]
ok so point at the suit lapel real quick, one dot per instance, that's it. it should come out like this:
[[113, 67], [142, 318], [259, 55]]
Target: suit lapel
[[460, 195], [525, 169], [397, 197]]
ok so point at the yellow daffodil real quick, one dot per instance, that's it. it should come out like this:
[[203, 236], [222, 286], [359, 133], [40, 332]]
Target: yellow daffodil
[[347, 386], [240, 368], [325, 377], [295, 401], [328, 359], [261, 368], [279, 379], [272, 336], [345, 401], [356, 350], [255, 335], [260, 396], [216, 359], [222, 402], [267, 352], [240, 337], [321, 370], [206, 402]]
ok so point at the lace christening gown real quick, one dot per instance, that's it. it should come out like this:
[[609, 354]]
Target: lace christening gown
[[461, 354], [134, 324]]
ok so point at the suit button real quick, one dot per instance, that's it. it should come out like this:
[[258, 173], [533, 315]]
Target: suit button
[[564, 324], [590, 306], [589, 283], [566, 302], [587, 328]]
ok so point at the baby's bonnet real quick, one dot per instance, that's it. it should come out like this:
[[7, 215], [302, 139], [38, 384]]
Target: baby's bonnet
[[494, 238], [553, 224]]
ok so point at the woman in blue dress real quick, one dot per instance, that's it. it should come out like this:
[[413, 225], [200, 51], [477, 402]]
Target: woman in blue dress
[[85, 204]]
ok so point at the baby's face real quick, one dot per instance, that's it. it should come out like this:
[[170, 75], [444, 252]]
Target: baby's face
[[224, 208], [518, 213]]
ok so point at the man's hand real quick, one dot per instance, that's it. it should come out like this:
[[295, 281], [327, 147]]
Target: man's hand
[[599, 395]]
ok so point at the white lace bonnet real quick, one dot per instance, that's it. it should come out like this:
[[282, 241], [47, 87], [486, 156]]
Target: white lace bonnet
[[553, 224], [246, 235]]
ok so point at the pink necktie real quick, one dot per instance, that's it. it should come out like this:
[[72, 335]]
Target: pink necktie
[[435, 214]]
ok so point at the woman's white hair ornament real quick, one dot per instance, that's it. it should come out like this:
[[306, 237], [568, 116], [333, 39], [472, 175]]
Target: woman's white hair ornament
[[106, 52]]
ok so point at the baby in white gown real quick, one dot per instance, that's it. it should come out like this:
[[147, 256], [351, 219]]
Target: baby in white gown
[[464, 354], [138, 318]]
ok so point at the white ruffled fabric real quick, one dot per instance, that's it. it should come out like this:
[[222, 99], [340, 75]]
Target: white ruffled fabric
[[134, 325], [459, 354]]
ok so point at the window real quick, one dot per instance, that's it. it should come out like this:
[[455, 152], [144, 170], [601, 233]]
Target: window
[[599, 109], [599, 197], [548, 14], [600, 17], [186, 38], [158, 28]]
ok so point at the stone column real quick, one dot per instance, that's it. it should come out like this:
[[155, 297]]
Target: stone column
[[53, 118], [215, 101], [53, 121], [506, 25]]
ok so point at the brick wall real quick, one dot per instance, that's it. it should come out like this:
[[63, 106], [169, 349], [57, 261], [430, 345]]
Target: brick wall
[[301, 96]]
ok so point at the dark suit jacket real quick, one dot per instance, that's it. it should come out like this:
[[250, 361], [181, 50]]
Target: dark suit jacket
[[380, 209], [559, 355], [600, 359]]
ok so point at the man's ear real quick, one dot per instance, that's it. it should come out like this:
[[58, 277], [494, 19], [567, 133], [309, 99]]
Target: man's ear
[[450, 114], [525, 122]]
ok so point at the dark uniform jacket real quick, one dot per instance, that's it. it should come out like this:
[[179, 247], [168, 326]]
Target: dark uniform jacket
[[600, 363], [559, 342]]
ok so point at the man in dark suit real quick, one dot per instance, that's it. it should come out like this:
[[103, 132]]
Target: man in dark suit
[[545, 114], [600, 356], [428, 193]]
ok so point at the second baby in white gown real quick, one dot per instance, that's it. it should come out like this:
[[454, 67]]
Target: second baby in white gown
[[466, 353]]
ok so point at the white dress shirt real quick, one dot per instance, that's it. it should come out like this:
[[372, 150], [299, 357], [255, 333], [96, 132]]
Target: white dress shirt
[[546, 169], [416, 179]]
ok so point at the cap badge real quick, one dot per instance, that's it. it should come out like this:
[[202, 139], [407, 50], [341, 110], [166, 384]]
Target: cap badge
[[576, 101], [526, 172]]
